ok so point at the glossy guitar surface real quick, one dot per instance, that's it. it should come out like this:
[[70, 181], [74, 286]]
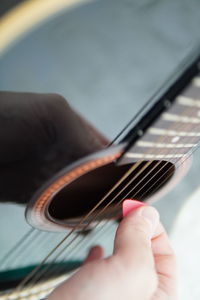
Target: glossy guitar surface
[[46, 237]]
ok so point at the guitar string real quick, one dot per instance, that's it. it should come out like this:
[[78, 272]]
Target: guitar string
[[148, 180], [115, 186], [159, 170], [90, 222], [12, 251], [41, 241], [194, 149], [93, 238], [55, 268], [78, 225], [132, 196], [21, 250], [186, 157], [21, 254], [124, 188], [17, 246], [20, 242], [83, 245], [117, 136], [70, 242], [177, 149], [87, 225], [157, 181]]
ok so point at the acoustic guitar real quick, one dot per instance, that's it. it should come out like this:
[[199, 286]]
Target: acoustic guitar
[[81, 204]]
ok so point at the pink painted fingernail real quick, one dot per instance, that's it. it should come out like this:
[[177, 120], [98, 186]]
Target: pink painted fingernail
[[129, 205]]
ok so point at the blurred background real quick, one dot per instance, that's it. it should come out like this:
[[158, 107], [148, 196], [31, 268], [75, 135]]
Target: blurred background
[[107, 58]]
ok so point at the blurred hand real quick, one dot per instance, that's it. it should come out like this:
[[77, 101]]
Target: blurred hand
[[142, 266], [40, 134]]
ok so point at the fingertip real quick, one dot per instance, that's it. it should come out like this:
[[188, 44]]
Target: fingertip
[[130, 205], [96, 252], [135, 209]]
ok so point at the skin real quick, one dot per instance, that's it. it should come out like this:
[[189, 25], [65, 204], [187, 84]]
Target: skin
[[40, 134], [46, 135], [142, 266]]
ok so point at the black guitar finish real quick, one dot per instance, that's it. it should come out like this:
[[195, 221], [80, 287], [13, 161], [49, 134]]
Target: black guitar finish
[[108, 70]]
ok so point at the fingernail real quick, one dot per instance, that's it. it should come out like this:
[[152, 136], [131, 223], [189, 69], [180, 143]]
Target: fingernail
[[129, 205], [151, 215]]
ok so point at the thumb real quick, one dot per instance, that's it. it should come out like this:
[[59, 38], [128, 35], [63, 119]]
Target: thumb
[[133, 237], [96, 252]]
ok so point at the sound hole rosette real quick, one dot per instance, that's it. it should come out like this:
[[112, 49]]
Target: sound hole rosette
[[70, 195], [37, 211]]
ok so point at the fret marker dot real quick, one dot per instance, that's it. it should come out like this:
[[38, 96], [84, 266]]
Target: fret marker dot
[[140, 132], [175, 139], [167, 103]]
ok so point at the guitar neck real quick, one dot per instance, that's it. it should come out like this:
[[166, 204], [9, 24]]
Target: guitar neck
[[171, 129]]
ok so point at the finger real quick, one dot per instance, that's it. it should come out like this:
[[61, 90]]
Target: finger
[[165, 262], [95, 252], [132, 250], [133, 238]]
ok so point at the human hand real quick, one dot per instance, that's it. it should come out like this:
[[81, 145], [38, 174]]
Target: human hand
[[142, 266], [40, 134]]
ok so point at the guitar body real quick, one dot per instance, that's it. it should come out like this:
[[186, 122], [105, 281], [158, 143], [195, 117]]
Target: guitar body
[[93, 176], [106, 77]]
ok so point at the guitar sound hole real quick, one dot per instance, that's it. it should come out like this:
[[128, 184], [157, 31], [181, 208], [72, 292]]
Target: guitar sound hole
[[79, 197]]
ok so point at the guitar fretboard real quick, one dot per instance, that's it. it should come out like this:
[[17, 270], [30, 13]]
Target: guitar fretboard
[[175, 133]]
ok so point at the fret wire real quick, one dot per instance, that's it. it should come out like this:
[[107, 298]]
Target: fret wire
[[164, 150], [189, 113], [163, 145], [175, 125], [107, 220], [183, 100], [196, 81], [152, 156], [174, 140], [180, 118], [151, 150], [160, 131], [174, 133], [157, 131], [169, 132], [157, 187], [160, 140]]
